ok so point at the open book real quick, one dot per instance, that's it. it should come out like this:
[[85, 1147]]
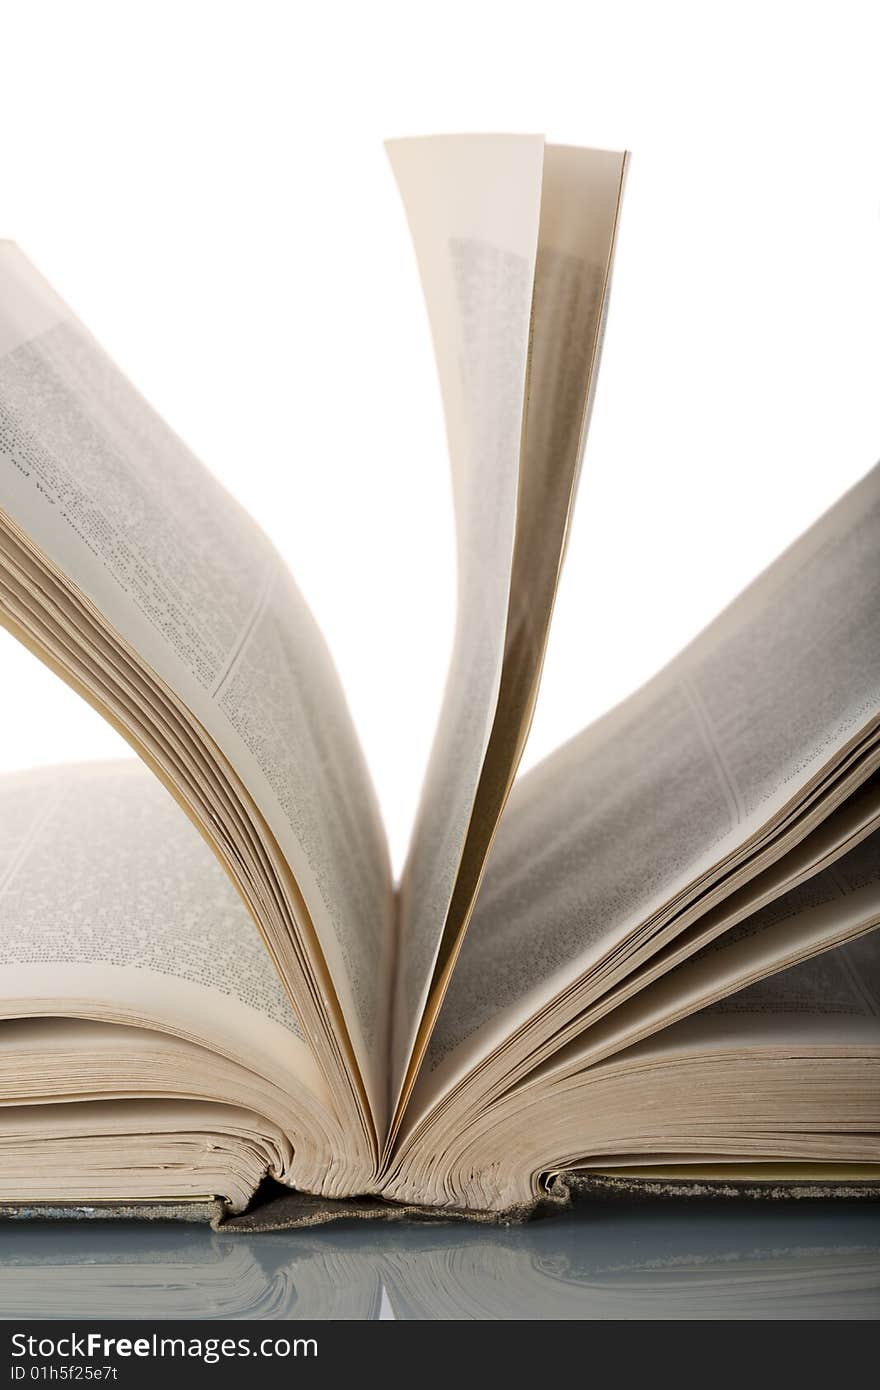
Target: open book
[[623, 968]]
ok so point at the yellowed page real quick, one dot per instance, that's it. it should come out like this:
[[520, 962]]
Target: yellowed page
[[824, 913], [829, 1002], [118, 504], [137, 1151], [608, 830], [515, 472], [473, 206], [113, 908]]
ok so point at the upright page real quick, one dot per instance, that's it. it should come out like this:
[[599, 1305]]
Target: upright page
[[514, 242]]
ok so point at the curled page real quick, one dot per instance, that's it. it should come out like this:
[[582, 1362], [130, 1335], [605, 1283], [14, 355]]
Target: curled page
[[514, 243], [131, 571], [618, 835]]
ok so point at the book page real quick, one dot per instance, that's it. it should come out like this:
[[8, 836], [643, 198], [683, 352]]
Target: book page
[[112, 907], [119, 505], [843, 982], [87, 1154], [505, 594], [819, 915], [831, 1001], [473, 204], [609, 829]]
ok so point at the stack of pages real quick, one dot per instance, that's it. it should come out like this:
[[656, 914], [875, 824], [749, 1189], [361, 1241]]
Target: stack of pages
[[650, 961]]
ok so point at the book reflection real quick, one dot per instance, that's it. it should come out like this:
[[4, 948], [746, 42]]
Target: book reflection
[[688, 1260]]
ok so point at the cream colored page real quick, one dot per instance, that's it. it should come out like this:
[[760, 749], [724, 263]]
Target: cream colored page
[[473, 205], [830, 1001], [580, 199], [845, 981], [818, 915], [137, 1151], [615, 823], [844, 896], [112, 906], [119, 504]]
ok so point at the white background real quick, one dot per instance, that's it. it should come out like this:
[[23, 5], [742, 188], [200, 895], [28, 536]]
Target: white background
[[205, 184]]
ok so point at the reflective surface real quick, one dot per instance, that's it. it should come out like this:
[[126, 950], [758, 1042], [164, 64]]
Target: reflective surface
[[687, 1260]]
